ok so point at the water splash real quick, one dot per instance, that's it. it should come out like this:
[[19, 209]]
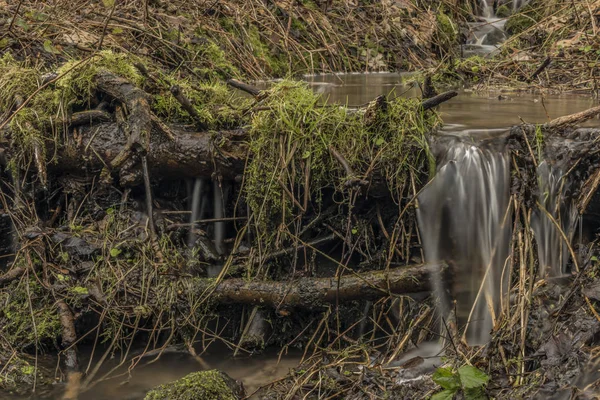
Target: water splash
[[556, 210], [464, 219]]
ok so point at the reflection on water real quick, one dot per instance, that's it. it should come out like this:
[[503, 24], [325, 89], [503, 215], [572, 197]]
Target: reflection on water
[[253, 372], [467, 111], [125, 384]]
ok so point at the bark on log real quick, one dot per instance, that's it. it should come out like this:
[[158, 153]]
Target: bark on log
[[189, 155], [316, 292], [439, 99], [139, 122], [11, 275], [243, 87], [573, 118]]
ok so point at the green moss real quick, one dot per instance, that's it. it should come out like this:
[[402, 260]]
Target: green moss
[[503, 11], [210, 99], [210, 62], [523, 20], [78, 85], [276, 65], [297, 128], [468, 69], [203, 385], [28, 315], [447, 31], [16, 79]]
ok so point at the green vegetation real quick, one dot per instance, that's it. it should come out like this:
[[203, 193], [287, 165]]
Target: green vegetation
[[528, 16], [297, 130], [468, 380], [447, 32], [503, 11]]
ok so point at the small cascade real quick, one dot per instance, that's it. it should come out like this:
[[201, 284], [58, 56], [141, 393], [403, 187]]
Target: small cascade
[[195, 207], [487, 10], [556, 209], [465, 220], [488, 32]]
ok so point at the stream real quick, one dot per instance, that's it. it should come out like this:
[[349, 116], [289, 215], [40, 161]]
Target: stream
[[468, 118]]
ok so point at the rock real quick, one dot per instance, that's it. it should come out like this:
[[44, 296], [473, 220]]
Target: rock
[[202, 385], [503, 11], [75, 245]]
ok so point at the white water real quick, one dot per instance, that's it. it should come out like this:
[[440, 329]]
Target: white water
[[488, 33], [556, 211], [197, 192], [465, 220], [487, 10], [219, 213]]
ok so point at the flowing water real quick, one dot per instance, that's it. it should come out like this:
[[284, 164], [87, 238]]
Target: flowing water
[[464, 218], [487, 33], [555, 211]]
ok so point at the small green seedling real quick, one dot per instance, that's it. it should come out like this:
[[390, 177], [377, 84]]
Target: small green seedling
[[468, 380]]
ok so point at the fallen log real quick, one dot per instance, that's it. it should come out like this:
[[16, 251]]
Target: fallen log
[[439, 99], [573, 118], [189, 155], [317, 292]]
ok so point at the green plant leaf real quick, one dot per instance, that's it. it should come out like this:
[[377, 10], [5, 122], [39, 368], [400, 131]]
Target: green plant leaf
[[22, 24], [114, 252], [475, 394], [446, 378], [472, 377], [447, 394], [49, 47]]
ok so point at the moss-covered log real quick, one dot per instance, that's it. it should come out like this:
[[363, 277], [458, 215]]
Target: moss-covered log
[[89, 149]]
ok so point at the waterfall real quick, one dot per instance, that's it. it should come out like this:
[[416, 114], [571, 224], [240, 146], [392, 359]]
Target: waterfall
[[517, 4], [487, 10], [555, 209], [464, 219], [195, 207]]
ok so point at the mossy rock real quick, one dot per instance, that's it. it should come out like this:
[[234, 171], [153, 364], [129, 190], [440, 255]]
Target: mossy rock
[[503, 11], [202, 385]]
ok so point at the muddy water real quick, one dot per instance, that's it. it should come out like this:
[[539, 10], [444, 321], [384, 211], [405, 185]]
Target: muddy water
[[463, 114], [469, 114], [254, 372]]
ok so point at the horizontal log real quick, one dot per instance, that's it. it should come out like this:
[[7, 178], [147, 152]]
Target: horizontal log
[[316, 292], [188, 154], [439, 99]]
